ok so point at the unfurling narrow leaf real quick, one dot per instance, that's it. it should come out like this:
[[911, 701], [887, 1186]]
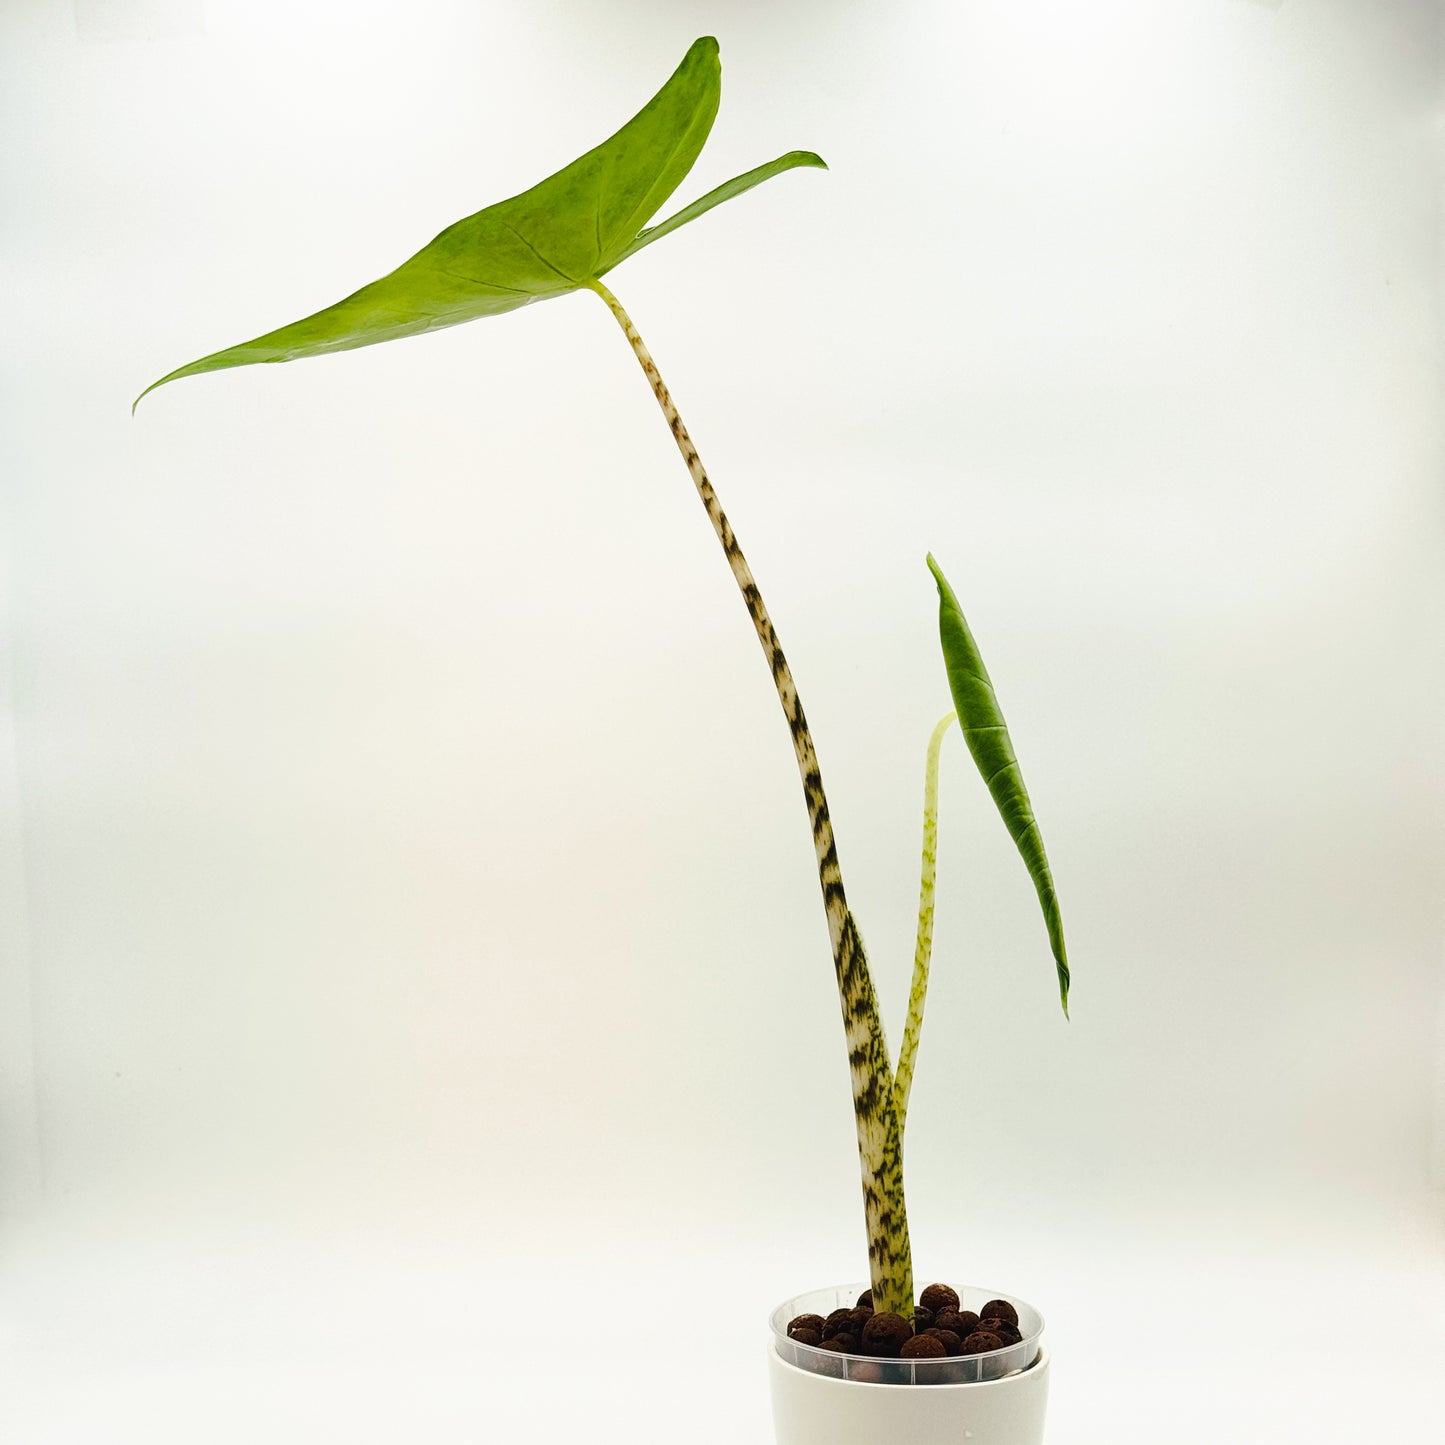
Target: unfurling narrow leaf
[[988, 740], [565, 233]]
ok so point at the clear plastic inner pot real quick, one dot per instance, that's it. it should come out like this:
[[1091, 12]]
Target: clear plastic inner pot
[[868, 1369]]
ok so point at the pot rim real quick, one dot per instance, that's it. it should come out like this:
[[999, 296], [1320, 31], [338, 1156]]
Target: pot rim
[[1017, 1378]]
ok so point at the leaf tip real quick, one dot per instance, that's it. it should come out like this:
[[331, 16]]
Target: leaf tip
[[1059, 949], [169, 376], [944, 590], [144, 394]]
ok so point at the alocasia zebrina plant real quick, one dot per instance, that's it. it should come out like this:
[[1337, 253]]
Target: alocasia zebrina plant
[[566, 234]]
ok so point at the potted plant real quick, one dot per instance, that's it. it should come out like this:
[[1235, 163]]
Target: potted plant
[[844, 1368]]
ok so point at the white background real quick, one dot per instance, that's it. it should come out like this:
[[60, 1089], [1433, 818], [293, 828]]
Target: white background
[[415, 997]]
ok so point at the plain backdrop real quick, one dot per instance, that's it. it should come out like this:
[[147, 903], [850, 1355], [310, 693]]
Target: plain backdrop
[[414, 995]]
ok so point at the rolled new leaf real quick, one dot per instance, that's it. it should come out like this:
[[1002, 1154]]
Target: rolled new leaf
[[981, 720], [565, 233]]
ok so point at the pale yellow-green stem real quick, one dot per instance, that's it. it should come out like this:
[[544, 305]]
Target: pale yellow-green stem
[[923, 947]]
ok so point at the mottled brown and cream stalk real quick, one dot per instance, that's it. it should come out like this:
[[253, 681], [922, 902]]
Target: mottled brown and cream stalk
[[880, 1145]]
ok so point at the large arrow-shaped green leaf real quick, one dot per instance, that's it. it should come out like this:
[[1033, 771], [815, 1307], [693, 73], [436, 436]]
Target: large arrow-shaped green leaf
[[564, 233], [983, 727]]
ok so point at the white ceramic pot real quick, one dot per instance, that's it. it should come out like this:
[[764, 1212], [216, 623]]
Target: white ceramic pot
[[823, 1398]]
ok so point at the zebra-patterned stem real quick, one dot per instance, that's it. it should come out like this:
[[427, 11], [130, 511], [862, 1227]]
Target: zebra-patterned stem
[[923, 948], [879, 1141]]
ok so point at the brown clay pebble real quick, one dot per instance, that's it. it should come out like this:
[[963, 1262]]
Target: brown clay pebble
[[805, 1337], [922, 1347], [938, 1297], [1008, 1333], [885, 1333], [846, 1342], [806, 1322], [952, 1345], [999, 1309], [861, 1315], [962, 1322], [866, 1298], [980, 1342], [838, 1344], [836, 1322], [922, 1320]]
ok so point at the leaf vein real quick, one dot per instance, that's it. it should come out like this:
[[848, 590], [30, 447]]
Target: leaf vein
[[978, 678], [989, 781], [633, 224], [556, 270], [480, 281]]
